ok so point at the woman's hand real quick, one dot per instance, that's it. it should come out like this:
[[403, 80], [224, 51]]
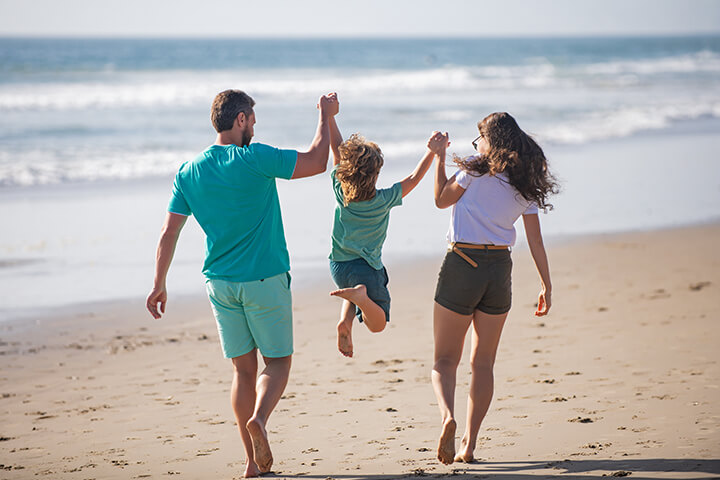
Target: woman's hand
[[544, 303], [438, 143]]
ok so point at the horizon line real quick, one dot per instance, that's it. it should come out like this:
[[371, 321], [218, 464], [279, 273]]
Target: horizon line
[[709, 33]]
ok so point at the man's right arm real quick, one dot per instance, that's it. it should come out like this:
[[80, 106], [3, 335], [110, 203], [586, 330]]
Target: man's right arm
[[165, 251], [314, 161]]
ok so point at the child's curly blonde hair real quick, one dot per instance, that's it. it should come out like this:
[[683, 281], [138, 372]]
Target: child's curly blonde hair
[[357, 172]]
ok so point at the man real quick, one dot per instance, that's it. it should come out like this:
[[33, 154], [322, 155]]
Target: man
[[230, 188]]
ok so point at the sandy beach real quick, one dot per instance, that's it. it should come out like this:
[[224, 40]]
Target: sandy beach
[[622, 378]]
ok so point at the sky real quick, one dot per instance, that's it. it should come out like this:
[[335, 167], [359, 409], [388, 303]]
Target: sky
[[320, 18]]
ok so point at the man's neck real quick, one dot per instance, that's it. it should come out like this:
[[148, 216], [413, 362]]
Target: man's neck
[[225, 138]]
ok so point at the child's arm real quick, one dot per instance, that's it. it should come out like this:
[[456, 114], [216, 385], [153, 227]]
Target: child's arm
[[335, 139], [411, 181], [537, 250]]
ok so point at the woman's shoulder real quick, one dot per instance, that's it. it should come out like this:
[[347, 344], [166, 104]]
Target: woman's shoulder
[[465, 177]]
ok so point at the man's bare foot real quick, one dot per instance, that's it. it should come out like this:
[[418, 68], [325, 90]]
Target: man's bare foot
[[355, 294], [446, 445], [344, 339], [261, 447], [251, 470]]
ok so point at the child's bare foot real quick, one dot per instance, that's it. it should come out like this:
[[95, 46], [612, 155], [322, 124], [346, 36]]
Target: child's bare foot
[[356, 294], [446, 445], [261, 447], [344, 338], [251, 470], [373, 315]]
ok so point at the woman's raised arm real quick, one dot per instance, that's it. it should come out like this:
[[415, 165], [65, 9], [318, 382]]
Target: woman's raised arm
[[447, 192]]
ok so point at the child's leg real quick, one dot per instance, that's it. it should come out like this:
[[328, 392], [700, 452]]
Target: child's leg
[[344, 328], [373, 314]]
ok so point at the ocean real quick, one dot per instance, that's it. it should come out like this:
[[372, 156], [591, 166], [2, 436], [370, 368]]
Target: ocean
[[92, 131]]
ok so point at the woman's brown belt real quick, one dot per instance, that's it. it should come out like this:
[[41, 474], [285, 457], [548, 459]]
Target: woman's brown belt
[[455, 247]]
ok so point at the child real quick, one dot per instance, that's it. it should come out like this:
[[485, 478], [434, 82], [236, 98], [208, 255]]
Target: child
[[359, 230]]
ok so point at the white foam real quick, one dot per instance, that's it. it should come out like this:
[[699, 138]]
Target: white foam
[[39, 167], [168, 88], [42, 167], [703, 61], [624, 122]]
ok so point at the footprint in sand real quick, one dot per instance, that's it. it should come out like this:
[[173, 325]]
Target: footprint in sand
[[659, 293], [696, 287]]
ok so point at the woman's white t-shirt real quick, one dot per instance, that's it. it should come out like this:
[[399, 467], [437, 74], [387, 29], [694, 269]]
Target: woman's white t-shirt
[[487, 211]]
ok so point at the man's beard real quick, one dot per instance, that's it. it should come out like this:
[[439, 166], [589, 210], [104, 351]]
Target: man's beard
[[246, 137]]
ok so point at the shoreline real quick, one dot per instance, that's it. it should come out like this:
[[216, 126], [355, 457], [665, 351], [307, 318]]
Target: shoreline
[[315, 280]]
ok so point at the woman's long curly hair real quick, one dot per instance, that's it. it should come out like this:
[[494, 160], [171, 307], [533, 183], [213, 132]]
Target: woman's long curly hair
[[514, 152], [360, 163]]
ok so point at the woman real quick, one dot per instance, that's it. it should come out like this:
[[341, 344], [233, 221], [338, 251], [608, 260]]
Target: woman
[[488, 194]]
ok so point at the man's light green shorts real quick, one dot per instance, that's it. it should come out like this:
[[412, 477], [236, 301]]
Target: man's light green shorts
[[252, 315]]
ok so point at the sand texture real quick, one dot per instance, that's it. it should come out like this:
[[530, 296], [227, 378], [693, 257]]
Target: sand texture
[[622, 378]]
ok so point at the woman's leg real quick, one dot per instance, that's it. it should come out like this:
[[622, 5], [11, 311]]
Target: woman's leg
[[485, 339], [449, 330]]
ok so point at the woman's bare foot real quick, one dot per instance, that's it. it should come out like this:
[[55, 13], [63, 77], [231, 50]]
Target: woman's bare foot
[[251, 470], [465, 458], [466, 452], [446, 445], [261, 447], [344, 338]]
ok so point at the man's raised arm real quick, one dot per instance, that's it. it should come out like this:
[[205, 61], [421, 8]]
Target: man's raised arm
[[314, 161]]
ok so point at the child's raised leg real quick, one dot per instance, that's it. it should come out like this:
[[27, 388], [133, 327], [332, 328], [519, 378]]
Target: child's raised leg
[[373, 314], [344, 328]]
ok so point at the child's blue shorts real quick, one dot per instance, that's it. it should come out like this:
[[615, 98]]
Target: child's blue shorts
[[355, 272]]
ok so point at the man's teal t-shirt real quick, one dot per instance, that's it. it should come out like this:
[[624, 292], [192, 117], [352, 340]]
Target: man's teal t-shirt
[[232, 193], [360, 228]]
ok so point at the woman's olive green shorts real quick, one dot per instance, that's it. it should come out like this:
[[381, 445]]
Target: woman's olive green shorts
[[463, 288]]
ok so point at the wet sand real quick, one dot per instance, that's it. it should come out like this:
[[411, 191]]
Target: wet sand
[[621, 378]]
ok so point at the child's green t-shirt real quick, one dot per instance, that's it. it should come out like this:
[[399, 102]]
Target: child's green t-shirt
[[360, 228]]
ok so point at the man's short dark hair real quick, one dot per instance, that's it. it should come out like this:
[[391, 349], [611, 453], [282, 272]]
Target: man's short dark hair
[[227, 106]]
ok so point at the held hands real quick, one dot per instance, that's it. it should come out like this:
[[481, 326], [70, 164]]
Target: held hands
[[329, 105], [438, 142], [158, 295], [544, 303]]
